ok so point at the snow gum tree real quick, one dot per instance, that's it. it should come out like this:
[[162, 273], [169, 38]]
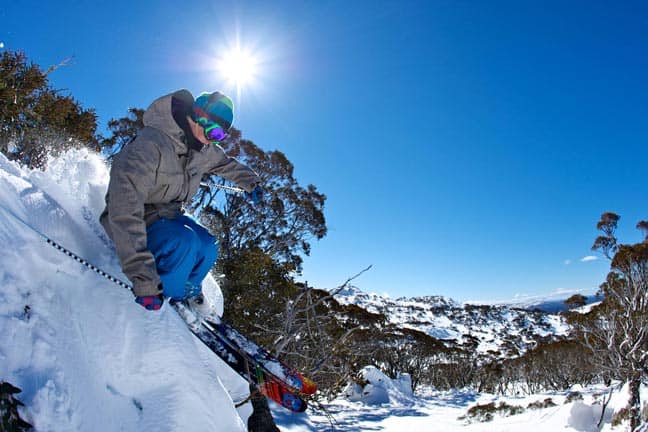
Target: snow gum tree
[[282, 225], [122, 131], [617, 330], [576, 301]]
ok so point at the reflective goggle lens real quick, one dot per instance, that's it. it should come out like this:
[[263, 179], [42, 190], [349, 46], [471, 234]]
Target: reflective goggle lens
[[213, 131]]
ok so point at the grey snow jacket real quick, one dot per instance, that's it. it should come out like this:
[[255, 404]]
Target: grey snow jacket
[[151, 178]]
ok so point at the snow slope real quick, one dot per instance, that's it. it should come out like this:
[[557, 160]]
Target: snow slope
[[85, 355]]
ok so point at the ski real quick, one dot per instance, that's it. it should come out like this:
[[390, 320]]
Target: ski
[[247, 367], [273, 386], [297, 382]]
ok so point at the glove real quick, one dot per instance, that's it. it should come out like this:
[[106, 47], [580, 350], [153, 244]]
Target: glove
[[256, 196], [150, 302]]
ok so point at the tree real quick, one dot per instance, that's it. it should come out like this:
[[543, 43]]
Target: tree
[[123, 131], [617, 330], [282, 226], [576, 301], [407, 350], [36, 120], [261, 246]]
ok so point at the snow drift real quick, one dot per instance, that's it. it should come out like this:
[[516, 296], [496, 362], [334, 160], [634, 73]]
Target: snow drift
[[376, 388], [85, 355]]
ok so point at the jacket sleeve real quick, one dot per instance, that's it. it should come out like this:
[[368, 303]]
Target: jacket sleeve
[[231, 169], [132, 176]]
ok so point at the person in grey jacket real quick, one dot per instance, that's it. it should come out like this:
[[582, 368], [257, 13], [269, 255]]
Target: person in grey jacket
[[163, 252]]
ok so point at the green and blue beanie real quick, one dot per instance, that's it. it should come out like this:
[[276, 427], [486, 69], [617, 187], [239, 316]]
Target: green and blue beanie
[[215, 106]]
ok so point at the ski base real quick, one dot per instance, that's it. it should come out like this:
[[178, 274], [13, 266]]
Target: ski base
[[297, 382], [243, 364]]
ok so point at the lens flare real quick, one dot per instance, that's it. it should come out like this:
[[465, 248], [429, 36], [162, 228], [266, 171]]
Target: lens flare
[[238, 66]]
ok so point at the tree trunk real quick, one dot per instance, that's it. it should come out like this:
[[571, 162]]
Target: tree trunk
[[635, 403]]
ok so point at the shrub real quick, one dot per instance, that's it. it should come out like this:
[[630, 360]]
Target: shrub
[[573, 396], [547, 403], [486, 412]]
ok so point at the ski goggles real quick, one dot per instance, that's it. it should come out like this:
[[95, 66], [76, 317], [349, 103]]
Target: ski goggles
[[212, 130]]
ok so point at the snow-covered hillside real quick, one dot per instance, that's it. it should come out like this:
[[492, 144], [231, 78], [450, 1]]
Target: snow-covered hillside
[[86, 357], [498, 329]]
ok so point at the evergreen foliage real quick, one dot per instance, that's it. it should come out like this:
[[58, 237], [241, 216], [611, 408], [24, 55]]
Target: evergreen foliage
[[10, 420], [487, 412], [123, 130], [35, 119]]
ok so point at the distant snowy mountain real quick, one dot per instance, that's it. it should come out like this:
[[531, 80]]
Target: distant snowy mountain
[[500, 330], [552, 303]]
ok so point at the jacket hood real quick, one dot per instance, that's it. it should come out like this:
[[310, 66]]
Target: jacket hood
[[160, 116]]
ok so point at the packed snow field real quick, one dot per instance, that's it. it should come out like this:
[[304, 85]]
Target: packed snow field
[[87, 358]]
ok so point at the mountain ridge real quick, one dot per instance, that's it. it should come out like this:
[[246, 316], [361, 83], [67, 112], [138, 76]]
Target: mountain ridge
[[496, 330]]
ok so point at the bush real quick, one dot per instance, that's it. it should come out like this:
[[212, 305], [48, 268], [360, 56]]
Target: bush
[[486, 412], [547, 403], [620, 417], [573, 396]]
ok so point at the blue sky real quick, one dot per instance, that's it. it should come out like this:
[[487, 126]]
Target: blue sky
[[467, 148]]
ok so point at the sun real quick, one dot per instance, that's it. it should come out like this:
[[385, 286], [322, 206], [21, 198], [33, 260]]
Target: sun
[[238, 66]]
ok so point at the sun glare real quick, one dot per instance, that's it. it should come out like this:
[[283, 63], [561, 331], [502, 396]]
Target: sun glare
[[238, 66]]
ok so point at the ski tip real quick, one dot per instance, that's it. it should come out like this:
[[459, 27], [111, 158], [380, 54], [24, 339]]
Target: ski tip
[[309, 386], [282, 396], [294, 403]]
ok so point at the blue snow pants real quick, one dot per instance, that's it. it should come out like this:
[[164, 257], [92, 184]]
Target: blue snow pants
[[184, 253]]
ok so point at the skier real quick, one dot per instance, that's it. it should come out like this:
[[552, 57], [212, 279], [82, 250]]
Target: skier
[[163, 252]]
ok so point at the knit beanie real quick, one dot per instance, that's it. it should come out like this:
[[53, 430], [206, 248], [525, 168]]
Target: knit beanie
[[216, 107]]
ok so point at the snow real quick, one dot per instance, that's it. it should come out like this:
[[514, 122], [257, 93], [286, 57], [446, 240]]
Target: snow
[[445, 319], [446, 412], [87, 358], [380, 389]]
